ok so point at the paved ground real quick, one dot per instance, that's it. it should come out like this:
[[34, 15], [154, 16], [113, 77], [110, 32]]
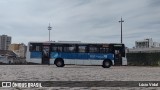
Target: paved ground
[[79, 73]]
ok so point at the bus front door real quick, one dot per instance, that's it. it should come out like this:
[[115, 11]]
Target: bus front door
[[45, 55], [118, 58]]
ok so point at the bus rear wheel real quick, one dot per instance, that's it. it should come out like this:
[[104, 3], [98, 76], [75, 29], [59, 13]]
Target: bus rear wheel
[[106, 64], [59, 63]]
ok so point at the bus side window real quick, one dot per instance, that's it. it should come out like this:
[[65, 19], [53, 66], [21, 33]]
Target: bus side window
[[57, 48], [111, 49], [104, 50], [54, 48], [37, 48], [69, 48], [82, 49], [34, 47], [72, 48], [30, 47], [93, 49]]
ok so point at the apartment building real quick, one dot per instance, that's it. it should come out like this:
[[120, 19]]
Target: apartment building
[[5, 41]]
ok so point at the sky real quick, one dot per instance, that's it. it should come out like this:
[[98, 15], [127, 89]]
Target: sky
[[80, 20]]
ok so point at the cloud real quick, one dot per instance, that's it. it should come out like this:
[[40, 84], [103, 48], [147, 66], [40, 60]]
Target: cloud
[[80, 20]]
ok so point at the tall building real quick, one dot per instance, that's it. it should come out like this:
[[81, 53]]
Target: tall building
[[5, 41]]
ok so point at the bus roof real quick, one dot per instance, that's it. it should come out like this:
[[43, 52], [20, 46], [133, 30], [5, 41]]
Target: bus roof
[[69, 42]]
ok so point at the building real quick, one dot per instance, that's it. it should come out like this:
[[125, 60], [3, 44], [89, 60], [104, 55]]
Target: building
[[18, 49], [5, 41], [146, 43]]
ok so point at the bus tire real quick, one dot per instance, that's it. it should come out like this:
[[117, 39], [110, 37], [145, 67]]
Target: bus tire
[[107, 63], [59, 62]]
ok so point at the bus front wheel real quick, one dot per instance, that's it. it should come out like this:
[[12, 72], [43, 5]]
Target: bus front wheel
[[106, 64], [59, 63]]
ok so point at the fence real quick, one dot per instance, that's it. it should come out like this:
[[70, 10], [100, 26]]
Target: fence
[[143, 59]]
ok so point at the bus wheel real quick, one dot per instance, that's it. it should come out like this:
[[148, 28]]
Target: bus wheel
[[107, 64], [59, 62]]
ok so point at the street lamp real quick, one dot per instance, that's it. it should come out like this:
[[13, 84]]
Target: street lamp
[[49, 29], [121, 28]]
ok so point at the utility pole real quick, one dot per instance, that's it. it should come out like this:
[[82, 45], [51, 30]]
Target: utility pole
[[121, 28], [49, 29]]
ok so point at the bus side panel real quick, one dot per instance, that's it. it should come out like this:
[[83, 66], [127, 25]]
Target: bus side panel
[[97, 59], [34, 60], [55, 55], [69, 55], [98, 56], [82, 58], [69, 58], [76, 58], [52, 61], [36, 55], [72, 58]]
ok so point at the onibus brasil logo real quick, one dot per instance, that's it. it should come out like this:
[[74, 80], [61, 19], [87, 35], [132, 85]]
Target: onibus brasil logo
[[21, 84]]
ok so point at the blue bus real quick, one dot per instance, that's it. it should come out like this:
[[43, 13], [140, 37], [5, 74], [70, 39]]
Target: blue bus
[[62, 53]]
